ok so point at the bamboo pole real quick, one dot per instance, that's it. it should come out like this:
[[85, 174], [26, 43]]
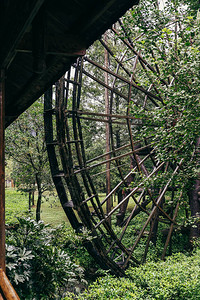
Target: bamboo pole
[[107, 111], [170, 230], [103, 114], [146, 92], [104, 162]]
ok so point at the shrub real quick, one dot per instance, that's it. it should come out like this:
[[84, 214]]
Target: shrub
[[37, 267], [178, 278], [111, 287], [66, 238]]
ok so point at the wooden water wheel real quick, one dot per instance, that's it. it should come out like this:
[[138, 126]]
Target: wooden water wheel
[[122, 224]]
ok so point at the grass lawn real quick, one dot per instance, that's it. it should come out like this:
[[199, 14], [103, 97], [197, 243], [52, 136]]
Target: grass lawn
[[51, 210], [17, 205]]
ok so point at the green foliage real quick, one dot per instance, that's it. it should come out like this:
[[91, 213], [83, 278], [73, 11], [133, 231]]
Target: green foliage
[[18, 263], [168, 39], [66, 238], [176, 279], [36, 266], [110, 287]]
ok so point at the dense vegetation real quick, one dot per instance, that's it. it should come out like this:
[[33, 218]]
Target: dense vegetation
[[38, 263], [176, 278], [51, 263]]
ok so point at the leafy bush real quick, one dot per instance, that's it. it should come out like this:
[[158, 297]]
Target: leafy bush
[[178, 278], [66, 238], [111, 287], [37, 267]]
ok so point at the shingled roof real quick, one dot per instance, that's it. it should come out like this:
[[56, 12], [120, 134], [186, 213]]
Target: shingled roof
[[40, 39]]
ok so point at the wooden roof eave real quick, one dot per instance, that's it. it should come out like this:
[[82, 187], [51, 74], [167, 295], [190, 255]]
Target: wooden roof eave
[[44, 40]]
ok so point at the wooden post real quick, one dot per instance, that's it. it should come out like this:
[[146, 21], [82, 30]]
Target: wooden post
[[107, 111], [2, 173]]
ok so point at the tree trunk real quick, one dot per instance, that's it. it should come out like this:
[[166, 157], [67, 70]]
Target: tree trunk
[[195, 202], [33, 198], [154, 224], [195, 210], [39, 200], [29, 201]]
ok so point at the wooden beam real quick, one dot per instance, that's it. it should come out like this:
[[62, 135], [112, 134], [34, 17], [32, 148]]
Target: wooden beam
[[39, 41], [7, 287], [65, 44], [2, 173], [18, 18]]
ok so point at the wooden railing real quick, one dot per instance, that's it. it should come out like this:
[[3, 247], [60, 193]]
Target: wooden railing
[[7, 289]]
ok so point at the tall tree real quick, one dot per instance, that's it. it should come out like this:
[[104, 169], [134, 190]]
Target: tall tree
[[25, 144]]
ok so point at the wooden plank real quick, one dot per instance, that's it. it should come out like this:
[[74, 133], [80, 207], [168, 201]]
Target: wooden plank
[[19, 16], [7, 287], [2, 173]]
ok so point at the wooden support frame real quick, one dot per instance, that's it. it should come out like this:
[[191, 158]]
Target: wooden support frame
[[70, 142], [76, 114], [16, 22]]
